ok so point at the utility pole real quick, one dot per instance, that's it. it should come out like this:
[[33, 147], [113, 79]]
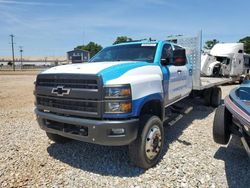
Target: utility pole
[[21, 52], [13, 55]]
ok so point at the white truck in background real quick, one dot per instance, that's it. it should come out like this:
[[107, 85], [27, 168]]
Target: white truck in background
[[226, 60]]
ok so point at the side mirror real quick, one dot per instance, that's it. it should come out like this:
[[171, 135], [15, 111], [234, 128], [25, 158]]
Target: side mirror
[[165, 61], [179, 56]]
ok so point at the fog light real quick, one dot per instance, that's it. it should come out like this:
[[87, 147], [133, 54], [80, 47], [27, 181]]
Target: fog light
[[117, 131]]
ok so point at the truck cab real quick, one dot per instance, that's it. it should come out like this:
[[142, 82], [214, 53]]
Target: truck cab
[[118, 98], [224, 59]]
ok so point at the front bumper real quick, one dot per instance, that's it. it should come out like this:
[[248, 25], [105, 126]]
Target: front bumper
[[89, 130]]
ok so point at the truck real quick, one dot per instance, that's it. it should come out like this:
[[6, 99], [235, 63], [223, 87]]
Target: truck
[[123, 95], [226, 60]]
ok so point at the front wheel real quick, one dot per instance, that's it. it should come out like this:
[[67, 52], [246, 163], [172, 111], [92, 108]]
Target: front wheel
[[146, 150]]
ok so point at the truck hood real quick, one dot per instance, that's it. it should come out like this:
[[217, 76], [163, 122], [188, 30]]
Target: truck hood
[[108, 70], [83, 68]]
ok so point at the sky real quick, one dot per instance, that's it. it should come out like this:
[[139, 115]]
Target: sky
[[53, 27]]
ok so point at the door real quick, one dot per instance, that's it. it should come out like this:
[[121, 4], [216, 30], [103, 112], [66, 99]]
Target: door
[[176, 80], [185, 73]]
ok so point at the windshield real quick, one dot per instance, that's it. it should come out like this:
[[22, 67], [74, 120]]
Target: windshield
[[129, 52]]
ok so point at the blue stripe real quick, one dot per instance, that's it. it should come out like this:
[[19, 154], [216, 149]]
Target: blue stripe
[[136, 106], [116, 71]]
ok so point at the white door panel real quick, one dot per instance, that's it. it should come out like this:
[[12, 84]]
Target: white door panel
[[175, 82]]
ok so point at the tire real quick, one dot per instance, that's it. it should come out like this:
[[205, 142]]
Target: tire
[[140, 153], [57, 138], [216, 71], [216, 97], [241, 80], [221, 125], [207, 96]]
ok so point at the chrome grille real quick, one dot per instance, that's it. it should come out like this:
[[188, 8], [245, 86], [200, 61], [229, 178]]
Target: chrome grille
[[84, 98]]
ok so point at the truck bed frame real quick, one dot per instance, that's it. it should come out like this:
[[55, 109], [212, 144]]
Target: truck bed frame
[[208, 82], [193, 46]]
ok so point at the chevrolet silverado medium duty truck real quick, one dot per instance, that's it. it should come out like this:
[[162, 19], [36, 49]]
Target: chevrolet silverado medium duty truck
[[121, 97]]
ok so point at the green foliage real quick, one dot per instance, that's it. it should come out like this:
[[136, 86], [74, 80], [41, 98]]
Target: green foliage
[[210, 44], [92, 47], [122, 39], [246, 42]]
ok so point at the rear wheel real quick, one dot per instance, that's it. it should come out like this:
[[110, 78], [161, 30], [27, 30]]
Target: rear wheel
[[57, 138], [207, 96], [221, 125], [146, 150], [216, 97]]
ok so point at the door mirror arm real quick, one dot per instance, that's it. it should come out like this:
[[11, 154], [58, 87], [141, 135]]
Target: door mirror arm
[[165, 61]]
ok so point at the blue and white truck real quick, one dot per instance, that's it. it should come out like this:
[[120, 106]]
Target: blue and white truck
[[122, 96]]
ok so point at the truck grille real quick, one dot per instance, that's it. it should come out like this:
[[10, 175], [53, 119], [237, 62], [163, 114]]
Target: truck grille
[[84, 98], [72, 83], [67, 104]]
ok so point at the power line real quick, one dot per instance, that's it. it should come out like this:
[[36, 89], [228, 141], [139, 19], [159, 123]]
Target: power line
[[13, 53]]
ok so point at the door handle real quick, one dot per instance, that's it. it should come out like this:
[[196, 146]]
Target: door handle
[[179, 71]]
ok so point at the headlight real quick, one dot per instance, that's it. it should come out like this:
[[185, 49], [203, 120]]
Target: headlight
[[123, 91], [118, 107], [118, 99]]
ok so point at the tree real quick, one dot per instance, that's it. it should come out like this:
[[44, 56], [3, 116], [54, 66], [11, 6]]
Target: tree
[[122, 39], [210, 44], [92, 47], [246, 42]]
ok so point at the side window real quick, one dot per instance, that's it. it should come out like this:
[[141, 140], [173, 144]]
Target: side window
[[167, 53], [179, 56]]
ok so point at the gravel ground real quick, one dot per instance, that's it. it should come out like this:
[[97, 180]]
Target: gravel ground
[[191, 158]]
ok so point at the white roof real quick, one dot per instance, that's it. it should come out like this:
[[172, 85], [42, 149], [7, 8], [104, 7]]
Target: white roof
[[226, 49]]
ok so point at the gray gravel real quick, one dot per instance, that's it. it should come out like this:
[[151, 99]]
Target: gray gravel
[[191, 158]]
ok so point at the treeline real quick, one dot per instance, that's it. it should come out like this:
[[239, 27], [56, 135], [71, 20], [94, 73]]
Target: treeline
[[93, 47]]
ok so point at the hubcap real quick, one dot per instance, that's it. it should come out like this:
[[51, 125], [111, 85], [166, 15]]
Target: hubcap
[[153, 142]]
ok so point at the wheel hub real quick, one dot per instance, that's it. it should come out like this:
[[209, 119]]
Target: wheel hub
[[153, 142]]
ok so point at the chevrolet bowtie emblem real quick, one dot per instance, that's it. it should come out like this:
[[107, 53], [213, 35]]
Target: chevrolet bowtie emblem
[[60, 91]]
